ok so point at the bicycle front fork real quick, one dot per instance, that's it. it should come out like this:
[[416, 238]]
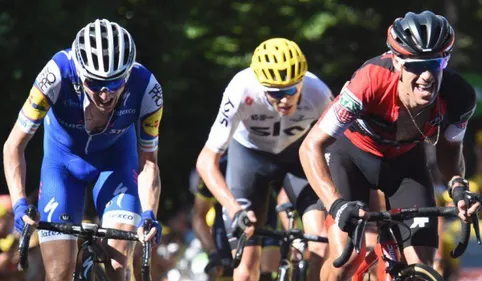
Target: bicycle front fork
[[297, 271]]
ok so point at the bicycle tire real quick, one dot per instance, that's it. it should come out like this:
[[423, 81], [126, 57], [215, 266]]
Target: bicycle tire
[[419, 272]]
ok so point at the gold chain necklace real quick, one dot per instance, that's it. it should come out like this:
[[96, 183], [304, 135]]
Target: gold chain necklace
[[426, 139]]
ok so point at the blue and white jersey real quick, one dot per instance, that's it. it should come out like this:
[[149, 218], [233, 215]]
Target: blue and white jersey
[[57, 97]]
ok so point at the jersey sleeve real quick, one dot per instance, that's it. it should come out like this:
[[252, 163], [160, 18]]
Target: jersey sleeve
[[348, 105], [326, 97], [43, 94], [228, 118], [461, 102], [150, 116]]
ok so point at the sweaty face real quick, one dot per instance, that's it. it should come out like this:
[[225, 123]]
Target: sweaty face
[[104, 100], [421, 79], [285, 101]]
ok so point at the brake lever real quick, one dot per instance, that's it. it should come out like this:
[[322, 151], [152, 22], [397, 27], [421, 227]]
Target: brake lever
[[469, 200], [358, 235], [475, 222]]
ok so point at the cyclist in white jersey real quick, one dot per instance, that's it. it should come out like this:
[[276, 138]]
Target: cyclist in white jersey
[[264, 115]]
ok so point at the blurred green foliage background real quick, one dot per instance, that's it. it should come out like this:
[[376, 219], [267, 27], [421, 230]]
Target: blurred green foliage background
[[195, 47]]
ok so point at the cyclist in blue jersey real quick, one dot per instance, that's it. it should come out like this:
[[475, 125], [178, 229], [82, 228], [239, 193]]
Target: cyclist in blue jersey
[[101, 112]]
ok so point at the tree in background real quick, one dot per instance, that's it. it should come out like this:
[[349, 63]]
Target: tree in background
[[195, 47]]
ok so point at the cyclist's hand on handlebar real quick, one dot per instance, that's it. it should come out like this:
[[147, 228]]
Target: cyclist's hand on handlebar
[[155, 232], [458, 190], [20, 214], [464, 212], [346, 213], [243, 221]]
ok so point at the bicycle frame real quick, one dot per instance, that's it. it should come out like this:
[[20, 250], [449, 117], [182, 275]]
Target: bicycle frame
[[289, 269], [90, 250], [386, 252], [87, 260]]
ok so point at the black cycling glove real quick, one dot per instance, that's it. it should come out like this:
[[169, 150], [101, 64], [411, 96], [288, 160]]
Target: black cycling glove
[[457, 193], [240, 222], [345, 214]]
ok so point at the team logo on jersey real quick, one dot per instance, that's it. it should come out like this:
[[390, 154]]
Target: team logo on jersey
[[46, 79], [248, 100], [347, 107], [156, 94], [462, 125], [151, 123], [225, 112], [36, 105]]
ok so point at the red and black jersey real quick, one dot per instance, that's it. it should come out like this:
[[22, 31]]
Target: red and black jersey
[[367, 109]]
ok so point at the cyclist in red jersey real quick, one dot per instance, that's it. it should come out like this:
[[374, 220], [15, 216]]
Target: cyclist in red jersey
[[391, 105]]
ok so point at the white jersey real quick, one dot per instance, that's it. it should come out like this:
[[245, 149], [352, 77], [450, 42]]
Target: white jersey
[[246, 115]]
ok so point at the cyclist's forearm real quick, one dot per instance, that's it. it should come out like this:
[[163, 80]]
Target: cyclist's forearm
[[149, 183], [15, 169], [203, 232], [208, 167], [450, 160], [316, 170]]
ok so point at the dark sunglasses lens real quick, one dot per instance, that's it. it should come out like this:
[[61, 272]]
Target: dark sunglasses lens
[[421, 66], [281, 93], [111, 86]]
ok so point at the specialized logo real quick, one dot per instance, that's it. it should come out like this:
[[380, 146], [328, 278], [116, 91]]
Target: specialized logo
[[120, 192], [126, 96], [50, 208], [87, 265]]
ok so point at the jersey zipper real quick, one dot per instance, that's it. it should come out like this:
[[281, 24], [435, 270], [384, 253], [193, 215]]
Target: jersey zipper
[[87, 145]]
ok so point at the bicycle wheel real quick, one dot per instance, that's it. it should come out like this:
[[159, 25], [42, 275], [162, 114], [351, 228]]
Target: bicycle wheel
[[415, 272]]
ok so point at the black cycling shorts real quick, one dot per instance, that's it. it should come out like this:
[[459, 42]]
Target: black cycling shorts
[[250, 174], [405, 180]]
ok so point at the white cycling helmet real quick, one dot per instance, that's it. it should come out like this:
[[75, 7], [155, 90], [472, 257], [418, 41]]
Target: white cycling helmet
[[103, 50]]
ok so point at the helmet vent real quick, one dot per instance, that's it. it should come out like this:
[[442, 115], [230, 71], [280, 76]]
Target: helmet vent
[[271, 74], [283, 74], [95, 61]]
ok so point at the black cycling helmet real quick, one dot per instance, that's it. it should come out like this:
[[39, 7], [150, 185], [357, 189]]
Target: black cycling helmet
[[421, 34]]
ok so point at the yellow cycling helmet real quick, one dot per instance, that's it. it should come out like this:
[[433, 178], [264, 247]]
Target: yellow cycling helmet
[[279, 63]]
